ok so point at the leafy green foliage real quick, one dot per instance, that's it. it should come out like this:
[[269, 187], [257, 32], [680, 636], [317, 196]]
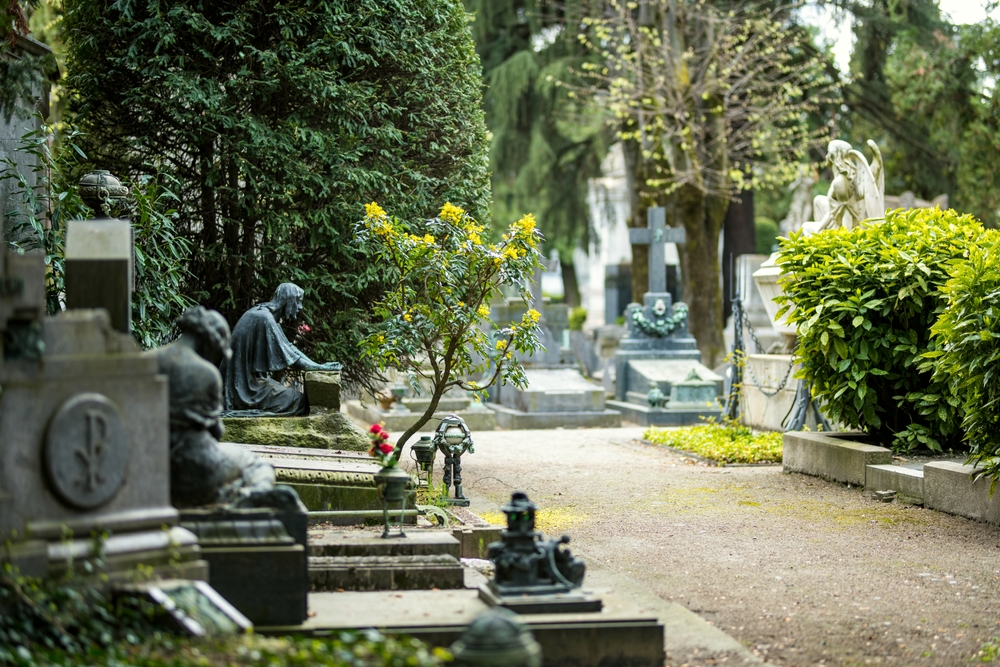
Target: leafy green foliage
[[433, 320], [766, 235], [277, 122], [546, 142], [966, 357], [713, 100], [44, 202], [729, 442], [577, 316], [864, 302]]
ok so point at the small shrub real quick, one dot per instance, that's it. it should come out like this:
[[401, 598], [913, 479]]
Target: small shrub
[[577, 317], [765, 235], [967, 358], [864, 303], [726, 443]]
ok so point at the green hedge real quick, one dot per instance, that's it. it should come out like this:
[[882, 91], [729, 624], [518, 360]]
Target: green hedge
[[967, 357], [864, 301]]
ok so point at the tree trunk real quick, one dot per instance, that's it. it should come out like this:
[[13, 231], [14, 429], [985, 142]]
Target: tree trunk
[[738, 238], [636, 177], [702, 219], [571, 288]]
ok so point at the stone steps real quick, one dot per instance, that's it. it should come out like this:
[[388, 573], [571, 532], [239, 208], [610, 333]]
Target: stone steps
[[334, 544], [383, 573]]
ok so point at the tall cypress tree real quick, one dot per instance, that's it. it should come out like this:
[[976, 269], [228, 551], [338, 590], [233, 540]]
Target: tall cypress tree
[[546, 143], [278, 122]]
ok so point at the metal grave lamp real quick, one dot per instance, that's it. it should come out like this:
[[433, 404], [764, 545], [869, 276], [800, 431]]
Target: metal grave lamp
[[497, 638], [424, 452], [391, 482], [99, 190], [453, 438], [534, 576]]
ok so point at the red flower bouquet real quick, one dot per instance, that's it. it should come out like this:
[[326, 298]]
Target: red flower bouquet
[[381, 447]]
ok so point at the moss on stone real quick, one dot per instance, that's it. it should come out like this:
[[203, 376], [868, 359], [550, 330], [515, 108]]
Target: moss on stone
[[332, 430]]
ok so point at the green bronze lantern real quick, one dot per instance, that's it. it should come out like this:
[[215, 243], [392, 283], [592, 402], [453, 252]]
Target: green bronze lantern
[[453, 438], [391, 482], [99, 190], [497, 638], [424, 452]]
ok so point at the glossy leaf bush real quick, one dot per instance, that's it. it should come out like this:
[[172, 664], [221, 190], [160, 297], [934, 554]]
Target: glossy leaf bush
[[967, 354], [864, 303]]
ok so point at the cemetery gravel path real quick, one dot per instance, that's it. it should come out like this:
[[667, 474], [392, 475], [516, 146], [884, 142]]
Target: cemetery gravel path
[[800, 570]]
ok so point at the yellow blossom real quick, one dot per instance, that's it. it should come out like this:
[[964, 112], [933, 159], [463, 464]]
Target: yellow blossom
[[373, 210], [483, 310], [450, 213], [510, 252], [461, 304], [507, 355], [474, 237], [533, 315], [428, 239], [408, 317], [501, 344], [526, 225]]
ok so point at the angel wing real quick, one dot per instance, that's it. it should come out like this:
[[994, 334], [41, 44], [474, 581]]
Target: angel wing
[[867, 187]]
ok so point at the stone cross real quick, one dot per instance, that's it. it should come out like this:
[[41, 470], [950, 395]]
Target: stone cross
[[656, 236]]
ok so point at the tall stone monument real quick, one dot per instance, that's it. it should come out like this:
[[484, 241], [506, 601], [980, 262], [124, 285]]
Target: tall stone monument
[[83, 440], [660, 379]]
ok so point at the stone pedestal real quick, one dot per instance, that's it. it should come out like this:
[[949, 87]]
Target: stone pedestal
[[766, 374], [766, 278], [99, 268], [84, 446], [396, 420], [257, 560], [323, 389]]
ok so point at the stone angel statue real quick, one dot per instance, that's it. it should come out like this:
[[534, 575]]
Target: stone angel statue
[[857, 192]]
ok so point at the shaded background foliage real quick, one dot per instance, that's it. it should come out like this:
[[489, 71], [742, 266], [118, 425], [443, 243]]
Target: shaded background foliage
[[276, 123]]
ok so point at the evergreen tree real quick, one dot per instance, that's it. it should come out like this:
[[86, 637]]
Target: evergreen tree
[[278, 122], [546, 143]]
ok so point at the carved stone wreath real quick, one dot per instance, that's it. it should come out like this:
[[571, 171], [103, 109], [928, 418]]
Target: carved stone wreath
[[661, 326]]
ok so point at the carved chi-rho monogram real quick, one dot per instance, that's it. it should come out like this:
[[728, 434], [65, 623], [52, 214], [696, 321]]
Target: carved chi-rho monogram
[[91, 453]]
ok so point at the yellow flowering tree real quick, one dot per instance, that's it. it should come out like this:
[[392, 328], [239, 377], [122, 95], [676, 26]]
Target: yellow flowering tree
[[434, 319]]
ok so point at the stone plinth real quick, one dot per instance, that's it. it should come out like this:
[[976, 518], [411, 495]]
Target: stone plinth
[[99, 268], [255, 562], [621, 634], [477, 419], [323, 389], [764, 375]]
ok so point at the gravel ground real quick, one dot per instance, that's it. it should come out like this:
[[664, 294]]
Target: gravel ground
[[801, 571]]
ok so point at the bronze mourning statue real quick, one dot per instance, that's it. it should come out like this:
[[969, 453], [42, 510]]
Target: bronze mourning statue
[[204, 471], [261, 354]]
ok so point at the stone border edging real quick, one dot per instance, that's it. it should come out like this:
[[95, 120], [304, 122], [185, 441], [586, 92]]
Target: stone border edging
[[945, 486]]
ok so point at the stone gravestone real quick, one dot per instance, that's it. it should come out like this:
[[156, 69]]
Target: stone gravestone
[[557, 395], [83, 440], [658, 351]]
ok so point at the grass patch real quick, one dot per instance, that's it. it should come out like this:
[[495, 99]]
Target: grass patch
[[547, 520], [723, 443]]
